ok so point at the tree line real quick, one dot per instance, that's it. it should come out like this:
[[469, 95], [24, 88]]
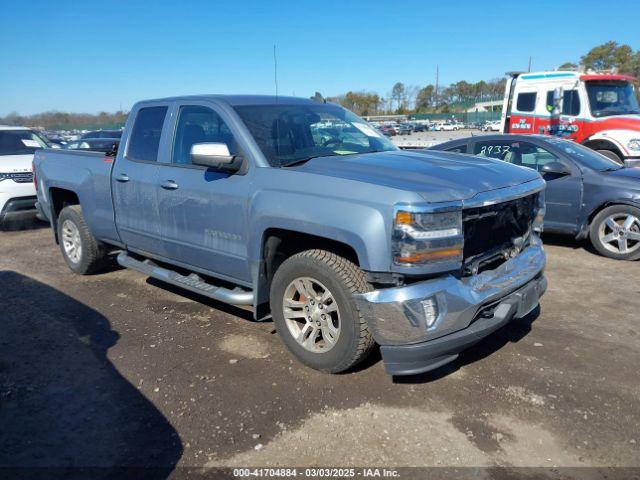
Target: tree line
[[461, 95], [65, 120]]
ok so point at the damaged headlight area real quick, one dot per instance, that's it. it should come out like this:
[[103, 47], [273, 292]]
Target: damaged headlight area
[[540, 211], [428, 238]]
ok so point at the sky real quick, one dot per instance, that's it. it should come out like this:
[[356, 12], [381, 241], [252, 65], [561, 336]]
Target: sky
[[91, 56]]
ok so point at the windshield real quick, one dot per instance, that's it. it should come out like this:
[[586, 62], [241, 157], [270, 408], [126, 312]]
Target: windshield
[[611, 98], [585, 156], [289, 134], [20, 142]]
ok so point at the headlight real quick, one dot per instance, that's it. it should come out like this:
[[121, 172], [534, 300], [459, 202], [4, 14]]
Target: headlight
[[541, 210], [5, 176], [427, 238], [634, 144]]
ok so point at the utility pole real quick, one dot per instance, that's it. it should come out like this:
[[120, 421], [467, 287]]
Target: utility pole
[[529, 68], [437, 80]]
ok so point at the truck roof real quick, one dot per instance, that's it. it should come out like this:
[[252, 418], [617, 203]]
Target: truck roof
[[236, 100], [582, 76]]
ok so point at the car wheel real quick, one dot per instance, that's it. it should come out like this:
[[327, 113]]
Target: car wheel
[[615, 232], [314, 312], [81, 251], [611, 155]]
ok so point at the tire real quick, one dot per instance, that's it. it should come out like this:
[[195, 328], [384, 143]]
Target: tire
[[611, 155], [87, 256], [615, 232], [324, 271]]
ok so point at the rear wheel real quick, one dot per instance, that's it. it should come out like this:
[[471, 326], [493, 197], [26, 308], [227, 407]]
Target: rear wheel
[[80, 250], [612, 155], [314, 311], [615, 232]]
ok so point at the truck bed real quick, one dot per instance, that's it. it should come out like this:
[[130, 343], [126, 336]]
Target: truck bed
[[86, 174]]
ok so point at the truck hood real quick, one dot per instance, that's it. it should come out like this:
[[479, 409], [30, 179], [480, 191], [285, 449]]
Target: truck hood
[[436, 176], [15, 163]]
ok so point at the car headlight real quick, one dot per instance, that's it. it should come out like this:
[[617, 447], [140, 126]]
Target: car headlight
[[634, 144], [5, 176], [421, 238]]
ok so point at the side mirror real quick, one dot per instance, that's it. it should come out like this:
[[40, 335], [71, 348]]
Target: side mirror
[[555, 168], [213, 155]]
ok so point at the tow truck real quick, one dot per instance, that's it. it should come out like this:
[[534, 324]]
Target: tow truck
[[597, 109]]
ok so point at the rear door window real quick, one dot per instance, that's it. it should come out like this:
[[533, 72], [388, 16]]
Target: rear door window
[[526, 102], [498, 149], [523, 154], [457, 149], [145, 134]]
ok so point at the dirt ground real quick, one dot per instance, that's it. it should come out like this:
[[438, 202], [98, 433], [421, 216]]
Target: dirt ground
[[117, 369]]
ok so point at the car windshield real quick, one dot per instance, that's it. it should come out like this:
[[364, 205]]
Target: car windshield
[[585, 156], [21, 142], [611, 98], [289, 134]]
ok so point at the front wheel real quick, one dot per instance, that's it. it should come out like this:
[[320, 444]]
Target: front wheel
[[615, 232], [314, 312], [611, 155]]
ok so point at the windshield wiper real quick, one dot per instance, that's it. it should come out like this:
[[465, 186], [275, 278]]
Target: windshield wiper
[[311, 157], [303, 160]]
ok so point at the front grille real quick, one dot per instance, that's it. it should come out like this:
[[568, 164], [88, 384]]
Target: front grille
[[20, 177], [491, 231]]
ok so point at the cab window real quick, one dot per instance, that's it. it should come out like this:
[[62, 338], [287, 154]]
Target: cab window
[[526, 102], [570, 102], [197, 124], [145, 134]]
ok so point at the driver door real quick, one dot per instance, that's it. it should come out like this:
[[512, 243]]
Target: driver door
[[203, 210]]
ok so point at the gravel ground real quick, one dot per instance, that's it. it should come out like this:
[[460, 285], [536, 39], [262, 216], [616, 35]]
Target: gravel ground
[[117, 369]]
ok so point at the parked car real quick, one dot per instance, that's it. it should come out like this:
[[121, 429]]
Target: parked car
[[17, 191], [101, 134], [403, 129], [388, 131], [446, 127], [419, 127], [491, 126], [104, 145], [588, 195], [342, 241]]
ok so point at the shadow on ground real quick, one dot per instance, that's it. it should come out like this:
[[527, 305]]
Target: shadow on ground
[[22, 222], [62, 402]]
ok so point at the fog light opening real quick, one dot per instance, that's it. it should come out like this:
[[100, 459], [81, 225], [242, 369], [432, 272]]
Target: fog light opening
[[430, 310]]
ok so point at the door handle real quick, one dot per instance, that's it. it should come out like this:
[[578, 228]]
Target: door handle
[[169, 185], [122, 178]]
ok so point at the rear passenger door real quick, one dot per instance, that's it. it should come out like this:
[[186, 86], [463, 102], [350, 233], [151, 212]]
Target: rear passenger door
[[134, 181], [203, 210]]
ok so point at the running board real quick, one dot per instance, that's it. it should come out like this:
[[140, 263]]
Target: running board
[[193, 282]]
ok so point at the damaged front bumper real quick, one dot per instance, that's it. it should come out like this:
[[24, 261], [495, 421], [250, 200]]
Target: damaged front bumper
[[425, 325]]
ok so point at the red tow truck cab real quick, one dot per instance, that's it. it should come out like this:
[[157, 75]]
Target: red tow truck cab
[[598, 110]]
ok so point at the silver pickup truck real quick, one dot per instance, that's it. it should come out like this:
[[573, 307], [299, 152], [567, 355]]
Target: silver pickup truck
[[307, 213]]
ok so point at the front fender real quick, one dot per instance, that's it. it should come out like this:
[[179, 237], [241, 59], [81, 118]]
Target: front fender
[[361, 226], [618, 137]]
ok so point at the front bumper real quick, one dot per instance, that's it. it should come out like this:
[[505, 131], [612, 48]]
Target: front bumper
[[467, 310], [18, 206]]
